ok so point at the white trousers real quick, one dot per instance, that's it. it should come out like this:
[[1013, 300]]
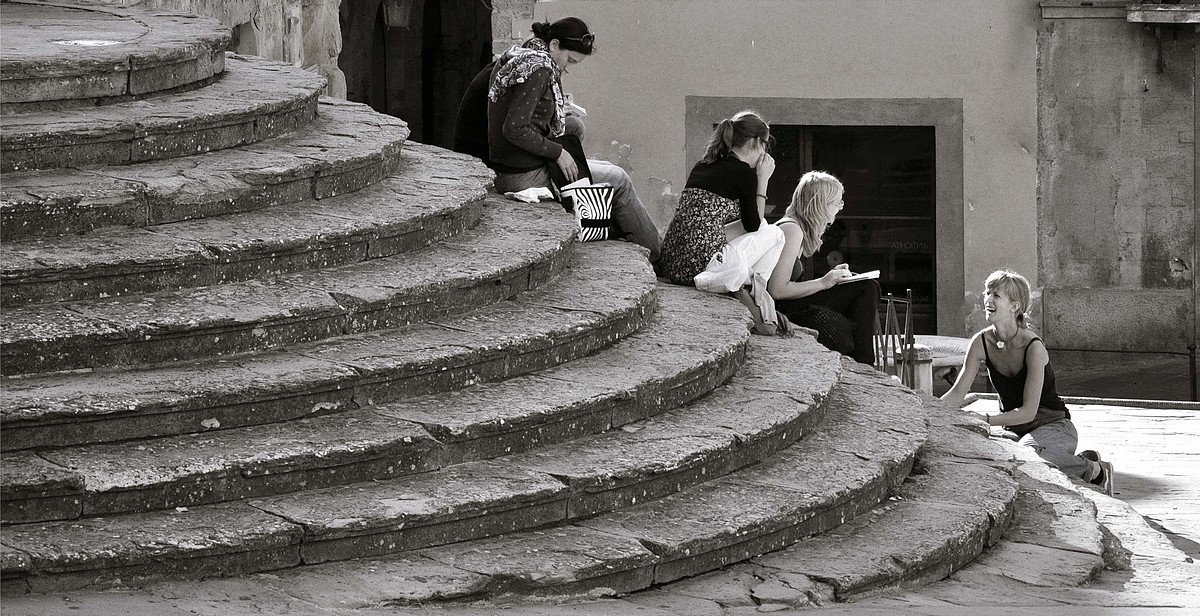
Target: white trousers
[[745, 255]]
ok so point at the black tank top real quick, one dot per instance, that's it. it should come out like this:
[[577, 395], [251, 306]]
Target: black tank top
[[1011, 390]]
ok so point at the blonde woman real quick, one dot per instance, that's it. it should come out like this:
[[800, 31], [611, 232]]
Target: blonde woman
[[843, 314], [1020, 372]]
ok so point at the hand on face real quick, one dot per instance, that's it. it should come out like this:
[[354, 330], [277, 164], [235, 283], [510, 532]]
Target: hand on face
[[765, 166]]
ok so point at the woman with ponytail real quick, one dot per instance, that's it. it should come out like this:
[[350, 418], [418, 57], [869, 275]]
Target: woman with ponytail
[[842, 313], [1020, 372], [718, 239], [527, 111]]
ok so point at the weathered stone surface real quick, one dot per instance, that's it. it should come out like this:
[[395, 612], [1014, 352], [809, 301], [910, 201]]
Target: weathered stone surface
[[107, 406], [241, 463], [369, 368], [393, 217], [40, 203], [560, 560], [344, 138], [398, 580], [1054, 516], [34, 490], [268, 313], [133, 549], [639, 462], [232, 111], [458, 503], [948, 515], [766, 507], [50, 59]]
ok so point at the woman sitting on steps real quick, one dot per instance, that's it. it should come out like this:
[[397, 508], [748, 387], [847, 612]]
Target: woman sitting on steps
[[843, 314], [718, 239]]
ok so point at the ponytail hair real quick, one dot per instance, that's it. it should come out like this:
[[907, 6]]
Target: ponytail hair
[[814, 205], [571, 32], [733, 133]]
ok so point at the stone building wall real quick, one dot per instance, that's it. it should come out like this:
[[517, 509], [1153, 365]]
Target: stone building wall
[[302, 32], [1117, 180]]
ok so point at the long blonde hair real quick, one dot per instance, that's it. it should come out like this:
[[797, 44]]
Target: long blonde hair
[[814, 205]]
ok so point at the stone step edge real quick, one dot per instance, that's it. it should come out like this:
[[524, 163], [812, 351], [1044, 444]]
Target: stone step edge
[[945, 530], [272, 530], [590, 558], [44, 486], [73, 201], [122, 138], [331, 376], [177, 50], [399, 213], [489, 263]]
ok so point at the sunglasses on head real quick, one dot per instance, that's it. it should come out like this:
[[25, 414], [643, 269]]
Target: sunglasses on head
[[587, 39]]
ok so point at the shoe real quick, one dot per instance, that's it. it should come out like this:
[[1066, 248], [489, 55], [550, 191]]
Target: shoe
[[1105, 479]]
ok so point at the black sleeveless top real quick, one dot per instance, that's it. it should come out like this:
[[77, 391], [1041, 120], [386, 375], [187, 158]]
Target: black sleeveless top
[[1011, 390]]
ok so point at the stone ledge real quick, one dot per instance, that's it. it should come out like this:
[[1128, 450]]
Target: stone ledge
[[515, 249], [510, 499], [475, 423], [564, 319], [119, 53], [255, 99], [402, 213], [347, 147]]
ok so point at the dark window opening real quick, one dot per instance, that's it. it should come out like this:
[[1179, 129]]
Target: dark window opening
[[888, 222]]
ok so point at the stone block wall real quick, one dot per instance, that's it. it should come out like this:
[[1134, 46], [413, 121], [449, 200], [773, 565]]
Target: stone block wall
[[1117, 182]]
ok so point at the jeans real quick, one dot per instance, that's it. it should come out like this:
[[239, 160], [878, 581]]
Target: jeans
[[1056, 442], [632, 221]]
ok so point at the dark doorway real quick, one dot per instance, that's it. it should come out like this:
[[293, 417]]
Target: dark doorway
[[889, 220], [414, 58]]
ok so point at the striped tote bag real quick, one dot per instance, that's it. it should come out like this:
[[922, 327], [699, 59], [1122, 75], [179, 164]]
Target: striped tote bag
[[593, 210]]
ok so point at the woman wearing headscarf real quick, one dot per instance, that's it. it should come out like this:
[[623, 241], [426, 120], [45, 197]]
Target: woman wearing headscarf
[[527, 111]]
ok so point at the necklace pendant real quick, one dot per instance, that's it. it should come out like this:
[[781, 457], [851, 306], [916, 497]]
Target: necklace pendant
[[999, 344]]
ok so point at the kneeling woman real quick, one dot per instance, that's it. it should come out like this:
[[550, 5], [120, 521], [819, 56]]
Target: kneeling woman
[[843, 314], [718, 239], [1019, 369]]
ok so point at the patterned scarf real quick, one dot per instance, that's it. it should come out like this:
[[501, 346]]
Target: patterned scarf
[[517, 64]]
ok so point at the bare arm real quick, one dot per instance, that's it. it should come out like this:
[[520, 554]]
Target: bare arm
[[970, 368], [781, 285]]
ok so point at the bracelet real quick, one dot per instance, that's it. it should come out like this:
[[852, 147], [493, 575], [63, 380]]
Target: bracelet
[[762, 195]]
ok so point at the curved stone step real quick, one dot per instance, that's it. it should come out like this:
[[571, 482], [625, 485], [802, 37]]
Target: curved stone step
[[414, 207], [562, 403], [734, 426], [254, 99], [950, 512], [347, 147], [566, 318], [55, 57], [514, 249], [845, 467]]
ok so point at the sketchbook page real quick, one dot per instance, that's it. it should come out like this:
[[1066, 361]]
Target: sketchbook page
[[863, 276]]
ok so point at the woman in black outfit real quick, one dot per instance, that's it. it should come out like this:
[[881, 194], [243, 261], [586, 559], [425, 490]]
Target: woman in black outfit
[[1020, 372], [718, 239]]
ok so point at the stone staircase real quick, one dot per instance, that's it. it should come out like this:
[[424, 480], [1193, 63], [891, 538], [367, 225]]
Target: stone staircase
[[252, 332]]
